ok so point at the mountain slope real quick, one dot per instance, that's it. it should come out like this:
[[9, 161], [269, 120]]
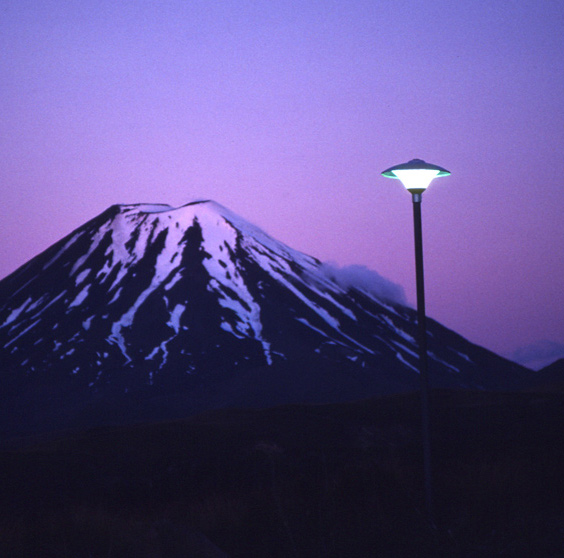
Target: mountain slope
[[550, 378], [148, 311]]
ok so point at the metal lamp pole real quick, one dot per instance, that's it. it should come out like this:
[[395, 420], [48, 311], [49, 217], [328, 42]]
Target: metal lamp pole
[[416, 175], [422, 341]]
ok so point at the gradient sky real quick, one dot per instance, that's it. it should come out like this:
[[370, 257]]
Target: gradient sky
[[287, 112]]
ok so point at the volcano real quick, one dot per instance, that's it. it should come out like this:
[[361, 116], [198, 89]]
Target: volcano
[[149, 312]]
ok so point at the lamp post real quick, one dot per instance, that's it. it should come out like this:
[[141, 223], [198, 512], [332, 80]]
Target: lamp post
[[416, 175]]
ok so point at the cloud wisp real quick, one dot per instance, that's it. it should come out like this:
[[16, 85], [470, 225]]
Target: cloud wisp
[[364, 279], [539, 354]]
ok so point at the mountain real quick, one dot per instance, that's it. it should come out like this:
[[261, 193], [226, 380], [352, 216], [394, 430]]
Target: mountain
[[148, 312], [551, 377]]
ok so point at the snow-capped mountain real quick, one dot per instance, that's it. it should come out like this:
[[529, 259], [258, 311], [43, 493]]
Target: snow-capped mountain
[[148, 311]]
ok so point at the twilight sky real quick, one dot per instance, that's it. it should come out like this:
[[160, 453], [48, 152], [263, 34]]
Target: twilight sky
[[287, 112]]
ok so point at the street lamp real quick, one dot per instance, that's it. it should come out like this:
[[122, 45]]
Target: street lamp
[[416, 175]]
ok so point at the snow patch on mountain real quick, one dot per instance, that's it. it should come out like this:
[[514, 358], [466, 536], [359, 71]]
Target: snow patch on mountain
[[220, 241], [80, 297], [16, 312]]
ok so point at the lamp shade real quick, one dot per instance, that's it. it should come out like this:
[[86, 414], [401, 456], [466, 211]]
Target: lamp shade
[[415, 175]]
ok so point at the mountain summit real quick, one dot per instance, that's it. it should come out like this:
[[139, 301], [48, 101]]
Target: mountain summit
[[148, 311]]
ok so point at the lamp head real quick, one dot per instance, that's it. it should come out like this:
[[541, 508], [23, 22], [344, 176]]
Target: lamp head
[[416, 175]]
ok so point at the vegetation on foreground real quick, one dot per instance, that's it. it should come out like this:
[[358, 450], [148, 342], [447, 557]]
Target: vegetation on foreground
[[297, 481]]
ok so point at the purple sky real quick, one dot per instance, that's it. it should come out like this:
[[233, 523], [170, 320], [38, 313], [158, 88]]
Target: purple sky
[[287, 112]]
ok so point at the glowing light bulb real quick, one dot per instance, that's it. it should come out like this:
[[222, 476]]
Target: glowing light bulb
[[416, 175]]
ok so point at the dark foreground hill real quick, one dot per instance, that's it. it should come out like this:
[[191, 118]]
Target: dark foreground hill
[[338, 480]]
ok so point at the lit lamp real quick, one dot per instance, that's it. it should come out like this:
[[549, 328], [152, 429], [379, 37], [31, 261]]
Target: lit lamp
[[416, 175]]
